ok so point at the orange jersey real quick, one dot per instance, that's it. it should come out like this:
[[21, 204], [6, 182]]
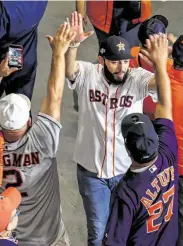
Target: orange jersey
[[100, 13], [176, 78]]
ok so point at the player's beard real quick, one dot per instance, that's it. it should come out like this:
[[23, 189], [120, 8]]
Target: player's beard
[[112, 78]]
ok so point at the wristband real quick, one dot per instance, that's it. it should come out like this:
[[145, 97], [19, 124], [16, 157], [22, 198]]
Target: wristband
[[74, 45]]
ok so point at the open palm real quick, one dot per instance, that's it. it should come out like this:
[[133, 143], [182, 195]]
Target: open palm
[[77, 27], [156, 49]]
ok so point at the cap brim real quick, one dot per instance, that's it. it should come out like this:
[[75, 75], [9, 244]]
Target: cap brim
[[119, 57], [131, 119], [14, 196]]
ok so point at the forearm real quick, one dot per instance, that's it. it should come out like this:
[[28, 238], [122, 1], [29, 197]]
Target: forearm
[[56, 78], [164, 105], [71, 63], [80, 7], [52, 102]]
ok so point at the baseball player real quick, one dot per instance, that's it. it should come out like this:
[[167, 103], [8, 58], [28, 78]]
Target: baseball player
[[106, 95], [175, 72], [30, 154], [154, 25], [145, 203], [10, 200]]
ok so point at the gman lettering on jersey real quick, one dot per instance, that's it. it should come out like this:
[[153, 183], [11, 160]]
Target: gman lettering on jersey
[[123, 101], [21, 160]]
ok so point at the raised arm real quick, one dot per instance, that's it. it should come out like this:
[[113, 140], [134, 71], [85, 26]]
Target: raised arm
[[80, 7], [59, 44], [72, 67], [157, 52]]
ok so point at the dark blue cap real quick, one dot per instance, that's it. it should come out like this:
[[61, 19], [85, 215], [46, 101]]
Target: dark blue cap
[[115, 48], [140, 137], [154, 25], [177, 53], [4, 242]]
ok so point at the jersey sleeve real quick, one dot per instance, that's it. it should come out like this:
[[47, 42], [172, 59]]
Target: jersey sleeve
[[167, 139], [24, 14], [119, 222], [85, 69], [45, 134], [143, 78]]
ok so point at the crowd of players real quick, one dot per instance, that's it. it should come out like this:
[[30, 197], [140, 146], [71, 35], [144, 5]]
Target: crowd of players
[[127, 165]]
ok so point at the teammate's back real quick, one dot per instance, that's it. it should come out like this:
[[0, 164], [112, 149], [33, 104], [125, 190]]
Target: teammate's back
[[152, 196]]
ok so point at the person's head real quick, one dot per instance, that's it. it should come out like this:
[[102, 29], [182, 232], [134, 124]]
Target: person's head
[[10, 200], [155, 25], [177, 53], [141, 139], [115, 55], [14, 116]]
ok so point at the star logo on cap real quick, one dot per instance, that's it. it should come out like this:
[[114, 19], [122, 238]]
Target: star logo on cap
[[121, 46]]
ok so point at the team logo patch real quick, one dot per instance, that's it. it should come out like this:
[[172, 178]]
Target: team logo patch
[[135, 118], [152, 169], [102, 50], [121, 46]]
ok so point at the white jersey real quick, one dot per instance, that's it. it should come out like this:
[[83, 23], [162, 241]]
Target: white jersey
[[30, 166], [99, 144]]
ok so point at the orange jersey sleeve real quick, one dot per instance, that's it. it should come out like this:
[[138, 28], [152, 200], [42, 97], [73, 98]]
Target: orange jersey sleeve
[[176, 78], [146, 11]]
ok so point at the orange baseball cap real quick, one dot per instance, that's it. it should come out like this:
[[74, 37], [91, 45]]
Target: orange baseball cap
[[10, 199]]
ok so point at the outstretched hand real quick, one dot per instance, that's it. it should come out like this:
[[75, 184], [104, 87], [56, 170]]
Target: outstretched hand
[[172, 38], [156, 49], [77, 26], [61, 41]]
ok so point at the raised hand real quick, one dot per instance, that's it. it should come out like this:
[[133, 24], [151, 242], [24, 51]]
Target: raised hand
[[172, 38], [61, 41], [77, 26], [156, 49]]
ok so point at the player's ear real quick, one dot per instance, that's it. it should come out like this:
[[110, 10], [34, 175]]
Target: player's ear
[[101, 60], [29, 123]]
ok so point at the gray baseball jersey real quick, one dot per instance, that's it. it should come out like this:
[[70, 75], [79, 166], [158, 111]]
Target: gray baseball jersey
[[99, 144], [30, 166]]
